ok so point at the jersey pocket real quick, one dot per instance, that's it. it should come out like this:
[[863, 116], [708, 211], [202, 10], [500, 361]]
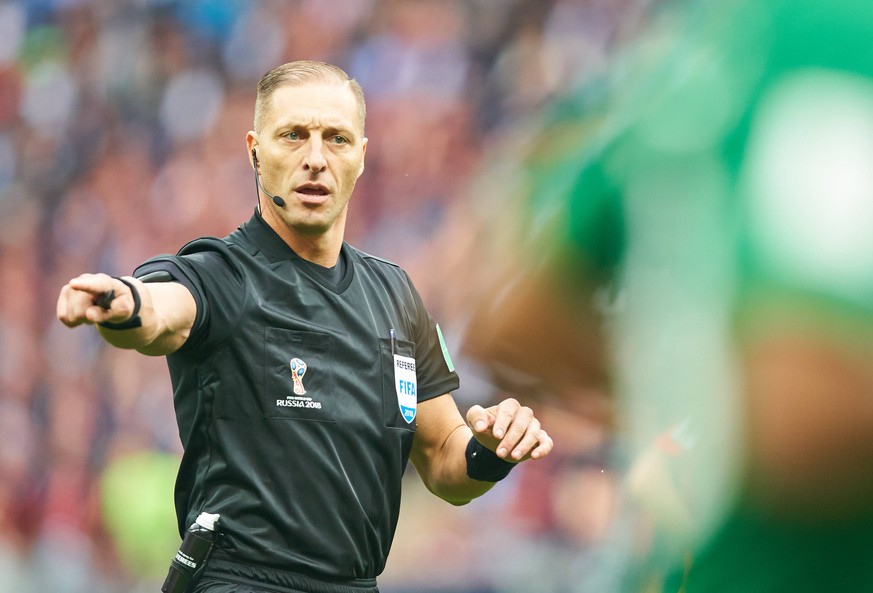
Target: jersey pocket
[[399, 385], [298, 380]]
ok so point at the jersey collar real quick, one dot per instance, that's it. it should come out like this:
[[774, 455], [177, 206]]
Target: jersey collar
[[264, 239]]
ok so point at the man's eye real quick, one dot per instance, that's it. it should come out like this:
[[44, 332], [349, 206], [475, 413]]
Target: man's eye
[[292, 136], [339, 140]]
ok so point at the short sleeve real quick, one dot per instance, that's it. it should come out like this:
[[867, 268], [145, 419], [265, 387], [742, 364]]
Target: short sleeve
[[206, 267], [435, 373]]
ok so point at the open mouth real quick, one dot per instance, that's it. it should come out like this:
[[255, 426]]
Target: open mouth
[[312, 190]]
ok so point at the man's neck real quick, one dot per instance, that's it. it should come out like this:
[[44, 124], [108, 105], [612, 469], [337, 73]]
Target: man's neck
[[317, 253], [319, 248]]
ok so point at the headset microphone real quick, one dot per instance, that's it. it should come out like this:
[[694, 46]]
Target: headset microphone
[[278, 200]]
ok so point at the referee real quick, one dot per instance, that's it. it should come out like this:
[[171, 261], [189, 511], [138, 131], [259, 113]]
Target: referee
[[306, 373]]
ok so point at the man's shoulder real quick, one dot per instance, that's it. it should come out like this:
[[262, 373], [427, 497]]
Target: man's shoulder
[[205, 244], [218, 255], [374, 261], [236, 240], [389, 272]]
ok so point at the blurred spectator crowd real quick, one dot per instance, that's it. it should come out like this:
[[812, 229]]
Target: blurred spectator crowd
[[122, 126]]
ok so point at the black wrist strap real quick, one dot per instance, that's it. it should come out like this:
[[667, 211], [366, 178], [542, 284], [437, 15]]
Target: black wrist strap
[[484, 465], [134, 321]]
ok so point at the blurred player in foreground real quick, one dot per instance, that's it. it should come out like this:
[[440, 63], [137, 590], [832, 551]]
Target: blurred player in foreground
[[694, 235]]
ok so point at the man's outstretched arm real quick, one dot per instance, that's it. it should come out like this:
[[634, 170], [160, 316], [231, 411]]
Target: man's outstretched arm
[[166, 311]]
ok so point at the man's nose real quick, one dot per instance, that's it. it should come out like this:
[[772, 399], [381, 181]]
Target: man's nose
[[315, 160]]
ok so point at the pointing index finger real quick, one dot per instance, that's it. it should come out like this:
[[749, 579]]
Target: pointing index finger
[[93, 283]]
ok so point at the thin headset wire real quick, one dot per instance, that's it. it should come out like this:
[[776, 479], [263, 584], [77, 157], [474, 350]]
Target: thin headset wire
[[257, 182]]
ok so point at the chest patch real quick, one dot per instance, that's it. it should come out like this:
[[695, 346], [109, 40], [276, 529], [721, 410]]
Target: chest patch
[[298, 369], [406, 387]]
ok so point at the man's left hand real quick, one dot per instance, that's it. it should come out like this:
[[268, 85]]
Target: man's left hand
[[510, 430]]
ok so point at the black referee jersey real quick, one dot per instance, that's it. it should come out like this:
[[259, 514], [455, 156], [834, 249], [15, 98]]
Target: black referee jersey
[[292, 425]]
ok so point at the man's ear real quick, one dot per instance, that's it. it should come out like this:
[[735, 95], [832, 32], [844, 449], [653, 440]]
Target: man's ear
[[364, 142], [252, 145]]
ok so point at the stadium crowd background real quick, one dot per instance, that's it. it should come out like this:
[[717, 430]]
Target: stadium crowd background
[[122, 129]]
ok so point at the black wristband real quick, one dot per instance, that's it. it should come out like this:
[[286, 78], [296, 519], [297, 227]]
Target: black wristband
[[484, 465], [134, 321]]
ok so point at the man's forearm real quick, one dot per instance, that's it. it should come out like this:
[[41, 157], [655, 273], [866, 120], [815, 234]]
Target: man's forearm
[[167, 313], [446, 474]]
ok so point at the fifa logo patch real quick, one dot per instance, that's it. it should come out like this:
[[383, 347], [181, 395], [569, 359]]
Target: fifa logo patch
[[298, 369], [405, 385]]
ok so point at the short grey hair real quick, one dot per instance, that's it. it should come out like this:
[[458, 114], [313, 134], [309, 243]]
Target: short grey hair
[[303, 72]]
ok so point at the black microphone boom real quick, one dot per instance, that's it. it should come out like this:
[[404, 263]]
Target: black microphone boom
[[278, 200]]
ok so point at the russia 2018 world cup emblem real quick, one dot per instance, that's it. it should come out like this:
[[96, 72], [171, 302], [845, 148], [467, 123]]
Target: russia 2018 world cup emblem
[[298, 369]]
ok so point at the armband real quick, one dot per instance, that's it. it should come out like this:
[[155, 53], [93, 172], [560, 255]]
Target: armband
[[484, 465], [135, 320]]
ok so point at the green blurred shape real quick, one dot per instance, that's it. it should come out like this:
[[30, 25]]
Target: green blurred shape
[[137, 504], [42, 44]]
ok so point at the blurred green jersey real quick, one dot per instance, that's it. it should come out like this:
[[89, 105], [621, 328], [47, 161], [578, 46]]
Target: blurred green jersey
[[721, 180]]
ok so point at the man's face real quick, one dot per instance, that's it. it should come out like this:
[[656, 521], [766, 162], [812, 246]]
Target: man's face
[[311, 152]]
